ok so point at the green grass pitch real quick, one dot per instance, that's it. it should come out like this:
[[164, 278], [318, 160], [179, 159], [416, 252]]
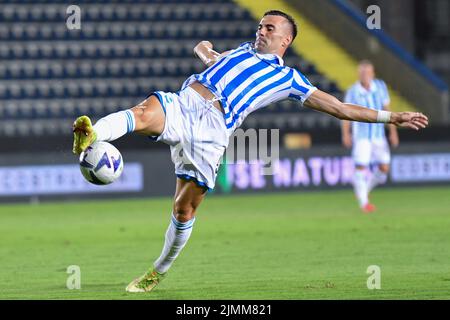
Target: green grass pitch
[[279, 246]]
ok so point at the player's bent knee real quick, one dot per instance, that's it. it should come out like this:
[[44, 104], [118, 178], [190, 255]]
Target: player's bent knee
[[183, 212], [142, 116]]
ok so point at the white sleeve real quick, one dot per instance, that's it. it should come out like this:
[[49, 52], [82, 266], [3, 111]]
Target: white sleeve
[[301, 88]]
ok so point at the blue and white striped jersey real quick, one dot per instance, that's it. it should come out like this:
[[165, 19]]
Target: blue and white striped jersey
[[375, 98], [246, 81]]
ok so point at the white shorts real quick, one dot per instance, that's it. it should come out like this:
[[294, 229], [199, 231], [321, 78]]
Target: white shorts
[[196, 133], [366, 152]]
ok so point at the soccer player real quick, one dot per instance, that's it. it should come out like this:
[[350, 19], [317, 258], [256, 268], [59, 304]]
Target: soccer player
[[197, 121], [368, 139]]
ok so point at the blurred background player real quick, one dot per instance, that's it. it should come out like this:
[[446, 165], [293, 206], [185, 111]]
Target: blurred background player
[[368, 139]]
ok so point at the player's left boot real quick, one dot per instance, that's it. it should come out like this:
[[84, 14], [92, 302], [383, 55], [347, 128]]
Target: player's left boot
[[83, 134], [146, 283]]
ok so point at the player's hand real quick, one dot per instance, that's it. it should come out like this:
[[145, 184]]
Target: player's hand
[[204, 51], [412, 120], [207, 44], [393, 139], [347, 141]]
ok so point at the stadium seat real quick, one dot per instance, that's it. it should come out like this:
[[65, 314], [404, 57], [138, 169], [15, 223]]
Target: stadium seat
[[122, 53]]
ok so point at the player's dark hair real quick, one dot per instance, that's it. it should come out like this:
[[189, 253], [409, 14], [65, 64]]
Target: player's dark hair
[[287, 17], [365, 62]]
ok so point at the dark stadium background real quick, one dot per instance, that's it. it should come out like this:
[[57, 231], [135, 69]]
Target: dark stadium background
[[127, 49]]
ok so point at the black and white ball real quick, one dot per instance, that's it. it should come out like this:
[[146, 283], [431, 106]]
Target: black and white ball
[[101, 163]]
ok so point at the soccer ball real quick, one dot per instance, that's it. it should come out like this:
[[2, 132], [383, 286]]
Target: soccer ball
[[101, 163]]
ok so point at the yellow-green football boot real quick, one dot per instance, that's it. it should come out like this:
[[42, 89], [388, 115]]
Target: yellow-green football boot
[[146, 283], [83, 134]]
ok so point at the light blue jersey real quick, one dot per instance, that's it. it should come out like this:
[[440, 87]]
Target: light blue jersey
[[246, 81], [375, 98]]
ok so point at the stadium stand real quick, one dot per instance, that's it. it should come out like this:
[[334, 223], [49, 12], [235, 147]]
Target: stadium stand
[[49, 74]]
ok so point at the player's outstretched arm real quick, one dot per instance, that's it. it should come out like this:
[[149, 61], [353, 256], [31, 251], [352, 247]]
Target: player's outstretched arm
[[204, 50], [324, 102]]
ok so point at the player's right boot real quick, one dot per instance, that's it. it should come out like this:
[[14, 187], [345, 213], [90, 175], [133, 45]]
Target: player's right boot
[[146, 283], [83, 134], [368, 208]]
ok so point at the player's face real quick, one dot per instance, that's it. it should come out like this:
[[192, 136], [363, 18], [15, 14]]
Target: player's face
[[273, 35], [366, 73]]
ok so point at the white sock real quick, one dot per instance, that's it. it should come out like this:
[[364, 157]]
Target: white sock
[[177, 236], [378, 177], [115, 125], [360, 187]]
